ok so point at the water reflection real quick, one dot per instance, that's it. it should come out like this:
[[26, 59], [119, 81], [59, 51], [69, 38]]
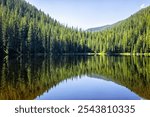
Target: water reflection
[[31, 77], [88, 88]]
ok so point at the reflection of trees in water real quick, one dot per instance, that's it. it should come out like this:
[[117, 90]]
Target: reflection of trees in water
[[131, 72], [26, 78]]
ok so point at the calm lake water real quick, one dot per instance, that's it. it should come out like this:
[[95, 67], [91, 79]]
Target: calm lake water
[[84, 87], [75, 78]]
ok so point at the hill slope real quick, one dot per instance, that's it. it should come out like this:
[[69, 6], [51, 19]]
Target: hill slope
[[131, 35], [102, 28], [26, 30], [96, 29]]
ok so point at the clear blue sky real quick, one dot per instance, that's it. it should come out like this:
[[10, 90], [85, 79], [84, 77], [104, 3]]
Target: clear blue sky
[[89, 13]]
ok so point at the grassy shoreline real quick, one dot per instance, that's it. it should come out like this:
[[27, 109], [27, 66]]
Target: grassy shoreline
[[130, 54], [109, 54]]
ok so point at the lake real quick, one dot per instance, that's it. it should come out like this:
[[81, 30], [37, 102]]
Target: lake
[[75, 78]]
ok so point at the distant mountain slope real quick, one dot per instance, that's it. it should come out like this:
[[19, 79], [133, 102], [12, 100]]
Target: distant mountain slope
[[96, 29], [102, 28]]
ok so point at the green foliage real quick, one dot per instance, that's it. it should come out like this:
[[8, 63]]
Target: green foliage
[[26, 30]]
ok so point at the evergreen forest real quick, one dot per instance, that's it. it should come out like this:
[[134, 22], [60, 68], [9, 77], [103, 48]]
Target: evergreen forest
[[26, 30]]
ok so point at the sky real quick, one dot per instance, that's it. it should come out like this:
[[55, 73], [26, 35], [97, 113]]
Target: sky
[[89, 13]]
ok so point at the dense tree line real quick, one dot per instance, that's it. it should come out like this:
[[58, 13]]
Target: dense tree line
[[26, 30]]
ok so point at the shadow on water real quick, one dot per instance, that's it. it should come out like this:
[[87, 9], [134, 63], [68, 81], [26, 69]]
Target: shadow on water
[[29, 77]]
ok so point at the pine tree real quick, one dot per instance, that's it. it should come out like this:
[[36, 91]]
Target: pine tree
[[1, 41]]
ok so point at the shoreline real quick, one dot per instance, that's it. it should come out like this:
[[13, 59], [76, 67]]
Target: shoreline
[[84, 54], [108, 54]]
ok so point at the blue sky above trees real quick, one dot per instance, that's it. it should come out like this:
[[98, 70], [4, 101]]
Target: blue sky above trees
[[89, 13]]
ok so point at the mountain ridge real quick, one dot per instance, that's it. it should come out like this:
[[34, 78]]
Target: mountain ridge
[[108, 26], [101, 28]]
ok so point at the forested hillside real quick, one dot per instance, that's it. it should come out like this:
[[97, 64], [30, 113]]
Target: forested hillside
[[26, 30], [131, 35]]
